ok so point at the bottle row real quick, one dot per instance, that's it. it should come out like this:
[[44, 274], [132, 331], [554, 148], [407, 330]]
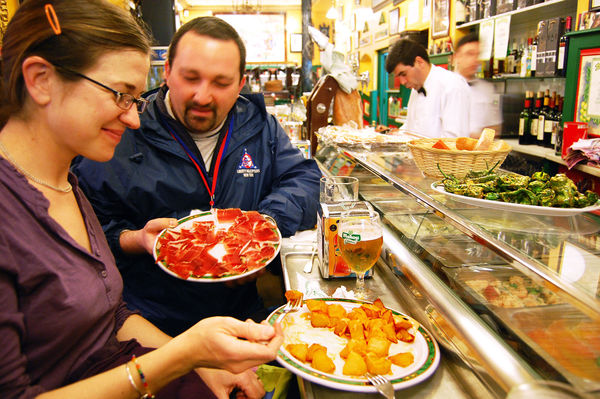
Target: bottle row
[[475, 10], [542, 55], [539, 122]]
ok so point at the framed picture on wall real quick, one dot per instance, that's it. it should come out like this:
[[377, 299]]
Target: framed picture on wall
[[394, 15], [364, 39], [440, 18], [377, 5], [594, 5], [263, 35], [296, 43], [587, 101]]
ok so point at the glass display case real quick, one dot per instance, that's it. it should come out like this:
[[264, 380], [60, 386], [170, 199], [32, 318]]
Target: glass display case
[[510, 293]]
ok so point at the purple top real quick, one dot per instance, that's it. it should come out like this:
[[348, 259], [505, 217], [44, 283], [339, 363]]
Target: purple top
[[59, 303]]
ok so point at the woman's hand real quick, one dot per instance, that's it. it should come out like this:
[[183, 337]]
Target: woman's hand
[[140, 241], [230, 344], [222, 383]]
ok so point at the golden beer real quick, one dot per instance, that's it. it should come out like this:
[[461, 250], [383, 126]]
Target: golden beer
[[360, 249]]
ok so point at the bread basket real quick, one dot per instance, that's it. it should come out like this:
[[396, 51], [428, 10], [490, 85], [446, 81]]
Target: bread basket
[[453, 161]]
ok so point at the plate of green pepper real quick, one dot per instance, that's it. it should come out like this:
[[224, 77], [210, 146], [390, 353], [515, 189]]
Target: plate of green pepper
[[538, 194]]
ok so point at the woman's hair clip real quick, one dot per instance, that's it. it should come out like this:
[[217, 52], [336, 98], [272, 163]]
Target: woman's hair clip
[[52, 19]]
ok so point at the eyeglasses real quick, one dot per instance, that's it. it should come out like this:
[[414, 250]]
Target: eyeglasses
[[123, 100]]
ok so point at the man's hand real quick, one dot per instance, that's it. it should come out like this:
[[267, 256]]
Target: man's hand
[[140, 241], [222, 383]]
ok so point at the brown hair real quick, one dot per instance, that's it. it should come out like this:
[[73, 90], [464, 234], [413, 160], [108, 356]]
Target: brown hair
[[404, 51], [469, 38], [89, 28], [212, 27]]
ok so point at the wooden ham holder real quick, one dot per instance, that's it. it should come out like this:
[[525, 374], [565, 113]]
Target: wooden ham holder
[[346, 108], [317, 107]]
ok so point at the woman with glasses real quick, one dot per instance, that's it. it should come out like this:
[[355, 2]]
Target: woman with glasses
[[72, 72]]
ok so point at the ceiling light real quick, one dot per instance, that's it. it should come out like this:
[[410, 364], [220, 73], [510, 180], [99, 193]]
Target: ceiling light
[[332, 13]]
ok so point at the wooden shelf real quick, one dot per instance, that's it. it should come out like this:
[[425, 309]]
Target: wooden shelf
[[505, 78], [547, 153], [550, 7]]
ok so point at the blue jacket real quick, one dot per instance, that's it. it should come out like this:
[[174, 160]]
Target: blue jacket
[[151, 176]]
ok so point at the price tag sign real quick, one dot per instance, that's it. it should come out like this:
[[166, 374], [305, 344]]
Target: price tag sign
[[486, 39], [501, 33]]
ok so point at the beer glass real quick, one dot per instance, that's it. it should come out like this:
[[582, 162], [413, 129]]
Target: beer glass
[[360, 239]]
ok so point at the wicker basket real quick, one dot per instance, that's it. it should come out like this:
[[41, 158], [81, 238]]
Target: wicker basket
[[456, 162]]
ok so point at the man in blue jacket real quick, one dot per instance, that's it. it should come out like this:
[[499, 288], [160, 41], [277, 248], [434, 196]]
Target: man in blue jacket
[[199, 144]]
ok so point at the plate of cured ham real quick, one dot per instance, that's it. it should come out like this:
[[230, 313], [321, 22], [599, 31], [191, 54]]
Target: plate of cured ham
[[218, 245]]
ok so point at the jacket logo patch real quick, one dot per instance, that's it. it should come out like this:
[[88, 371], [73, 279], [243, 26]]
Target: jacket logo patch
[[246, 166]]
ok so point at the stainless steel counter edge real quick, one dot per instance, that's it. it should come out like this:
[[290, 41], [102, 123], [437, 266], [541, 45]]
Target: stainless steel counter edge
[[521, 262], [499, 360]]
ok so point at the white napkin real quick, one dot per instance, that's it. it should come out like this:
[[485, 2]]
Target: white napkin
[[305, 236], [343, 293]]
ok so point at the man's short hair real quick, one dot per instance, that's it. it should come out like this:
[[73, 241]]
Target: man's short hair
[[404, 51], [212, 27], [469, 38]]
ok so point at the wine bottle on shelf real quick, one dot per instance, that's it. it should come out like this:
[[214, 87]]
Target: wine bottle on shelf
[[560, 110], [518, 58], [525, 120], [559, 127], [535, 113], [509, 64], [549, 128], [542, 119], [526, 69], [563, 47], [534, 55]]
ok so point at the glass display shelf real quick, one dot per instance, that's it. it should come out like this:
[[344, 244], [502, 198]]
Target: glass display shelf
[[535, 279]]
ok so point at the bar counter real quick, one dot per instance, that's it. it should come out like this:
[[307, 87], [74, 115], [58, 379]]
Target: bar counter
[[452, 378], [436, 249]]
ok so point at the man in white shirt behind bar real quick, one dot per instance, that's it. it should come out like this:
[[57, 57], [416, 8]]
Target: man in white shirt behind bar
[[439, 100], [485, 103]]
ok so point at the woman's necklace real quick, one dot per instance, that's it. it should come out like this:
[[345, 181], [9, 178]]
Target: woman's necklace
[[31, 177]]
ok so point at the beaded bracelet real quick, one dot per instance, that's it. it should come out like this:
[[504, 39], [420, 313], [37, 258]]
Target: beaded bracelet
[[147, 395]]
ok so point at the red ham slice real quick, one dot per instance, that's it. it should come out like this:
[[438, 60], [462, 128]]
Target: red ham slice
[[204, 264], [183, 271], [265, 234], [228, 215], [254, 216]]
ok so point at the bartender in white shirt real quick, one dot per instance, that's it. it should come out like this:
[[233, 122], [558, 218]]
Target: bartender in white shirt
[[439, 100], [485, 102]]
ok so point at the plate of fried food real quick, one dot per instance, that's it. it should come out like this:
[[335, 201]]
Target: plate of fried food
[[335, 342]]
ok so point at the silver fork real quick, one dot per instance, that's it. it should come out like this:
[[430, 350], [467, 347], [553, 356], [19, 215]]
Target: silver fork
[[382, 384], [291, 306]]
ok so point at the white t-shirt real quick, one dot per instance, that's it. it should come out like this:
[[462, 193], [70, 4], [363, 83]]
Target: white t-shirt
[[206, 142], [444, 110], [485, 106]]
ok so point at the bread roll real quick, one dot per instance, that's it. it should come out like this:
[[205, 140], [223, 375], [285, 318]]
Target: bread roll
[[485, 140], [498, 145], [465, 143]]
